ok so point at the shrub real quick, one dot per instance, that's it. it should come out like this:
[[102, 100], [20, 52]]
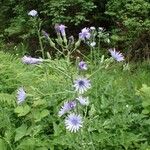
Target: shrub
[[132, 22]]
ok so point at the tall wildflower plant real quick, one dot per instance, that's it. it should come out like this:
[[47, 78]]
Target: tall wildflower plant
[[75, 110]]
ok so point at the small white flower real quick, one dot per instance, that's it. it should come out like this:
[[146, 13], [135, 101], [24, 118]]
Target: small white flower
[[101, 28], [92, 28], [82, 84], [83, 100], [127, 106], [116, 55], [73, 122], [92, 44], [33, 13], [21, 95]]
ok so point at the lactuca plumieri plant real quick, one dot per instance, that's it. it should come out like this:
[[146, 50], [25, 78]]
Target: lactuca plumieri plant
[[75, 110]]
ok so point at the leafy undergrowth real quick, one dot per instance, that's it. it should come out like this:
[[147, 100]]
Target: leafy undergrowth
[[114, 119]]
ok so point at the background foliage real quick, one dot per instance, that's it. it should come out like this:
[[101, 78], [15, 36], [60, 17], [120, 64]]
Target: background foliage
[[128, 21], [132, 25]]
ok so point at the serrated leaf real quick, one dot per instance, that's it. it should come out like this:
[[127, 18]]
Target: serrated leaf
[[44, 113], [92, 110], [20, 132], [57, 129], [22, 110]]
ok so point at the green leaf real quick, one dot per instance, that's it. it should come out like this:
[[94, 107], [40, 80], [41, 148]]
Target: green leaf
[[39, 102], [146, 104], [20, 132], [145, 91], [3, 145], [92, 110], [145, 111], [38, 115], [22, 110], [44, 113], [42, 148]]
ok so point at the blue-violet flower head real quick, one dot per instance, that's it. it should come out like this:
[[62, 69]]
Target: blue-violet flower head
[[31, 60], [73, 122], [116, 55], [83, 100], [62, 29], [66, 107], [82, 85], [82, 65], [84, 34], [21, 95]]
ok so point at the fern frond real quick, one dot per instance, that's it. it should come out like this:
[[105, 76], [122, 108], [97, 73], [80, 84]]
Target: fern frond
[[7, 99]]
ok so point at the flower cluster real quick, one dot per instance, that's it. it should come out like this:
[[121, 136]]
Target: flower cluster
[[74, 121]]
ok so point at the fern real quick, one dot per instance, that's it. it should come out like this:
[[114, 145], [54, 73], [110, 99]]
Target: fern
[[7, 99]]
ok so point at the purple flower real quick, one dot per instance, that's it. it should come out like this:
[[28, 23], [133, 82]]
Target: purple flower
[[84, 34], [66, 107], [33, 13], [57, 28], [21, 95], [31, 60], [62, 29], [73, 122], [82, 84], [116, 55], [82, 65], [83, 100]]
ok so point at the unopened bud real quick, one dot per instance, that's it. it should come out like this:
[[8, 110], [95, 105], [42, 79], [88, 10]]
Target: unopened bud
[[77, 44]]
